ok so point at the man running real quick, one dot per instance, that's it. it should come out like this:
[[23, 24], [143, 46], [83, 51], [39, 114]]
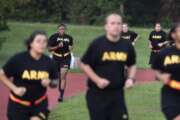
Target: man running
[[104, 63], [128, 35], [157, 41]]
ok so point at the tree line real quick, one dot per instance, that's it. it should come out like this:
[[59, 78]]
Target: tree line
[[92, 12]]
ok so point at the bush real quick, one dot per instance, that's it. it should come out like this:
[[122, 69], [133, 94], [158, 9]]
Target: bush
[[166, 23], [3, 25], [2, 40]]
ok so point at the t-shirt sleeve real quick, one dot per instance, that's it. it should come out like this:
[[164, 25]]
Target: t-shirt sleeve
[[54, 74], [89, 56], [10, 67], [164, 36], [52, 41], [71, 41], [150, 37], [131, 60], [134, 35], [158, 63]]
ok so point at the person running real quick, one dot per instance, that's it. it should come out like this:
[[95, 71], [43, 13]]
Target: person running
[[157, 41], [32, 72], [61, 45], [167, 67], [128, 35], [104, 63]]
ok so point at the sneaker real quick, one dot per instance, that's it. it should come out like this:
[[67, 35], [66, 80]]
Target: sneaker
[[60, 100]]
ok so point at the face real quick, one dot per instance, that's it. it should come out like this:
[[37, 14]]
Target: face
[[176, 34], [124, 27], [39, 44], [113, 25], [157, 27], [61, 30]]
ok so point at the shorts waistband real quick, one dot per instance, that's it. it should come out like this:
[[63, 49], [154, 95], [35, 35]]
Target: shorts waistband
[[174, 84], [61, 55], [27, 103], [155, 51]]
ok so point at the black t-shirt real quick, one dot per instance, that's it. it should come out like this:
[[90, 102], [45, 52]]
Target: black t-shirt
[[157, 37], [28, 72], [130, 36], [108, 60], [168, 61], [56, 39]]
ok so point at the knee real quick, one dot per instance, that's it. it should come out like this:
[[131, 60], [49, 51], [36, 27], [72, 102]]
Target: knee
[[63, 76], [35, 118]]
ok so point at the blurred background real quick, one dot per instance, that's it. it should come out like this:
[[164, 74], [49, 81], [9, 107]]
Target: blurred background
[[92, 12]]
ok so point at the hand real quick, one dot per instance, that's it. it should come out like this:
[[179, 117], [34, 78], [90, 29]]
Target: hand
[[133, 43], [19, 91], [54, 83], [102, 83], [150, 46], [160, 44], [129, 83], [165, 78], [45, 82]]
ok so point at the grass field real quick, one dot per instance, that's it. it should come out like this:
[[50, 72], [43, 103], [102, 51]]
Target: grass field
[[142, 102], [82, 35]]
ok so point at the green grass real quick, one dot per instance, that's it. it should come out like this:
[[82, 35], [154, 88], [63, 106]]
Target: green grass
[[83, 35], [142, 102]]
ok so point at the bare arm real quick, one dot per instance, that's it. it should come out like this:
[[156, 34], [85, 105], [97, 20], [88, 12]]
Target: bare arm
[[163, 43], [53, 48], [70, 48], [20, 91], [150, 46], [166, 42], [164, 77], [132, 71], [49, 83], [89, 72], [6, 81], [131, 77], [136, 38]]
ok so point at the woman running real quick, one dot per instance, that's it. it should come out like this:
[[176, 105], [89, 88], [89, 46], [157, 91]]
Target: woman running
[[167, 66], [32, 72]]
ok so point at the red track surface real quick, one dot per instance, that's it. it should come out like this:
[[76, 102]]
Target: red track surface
[[76, 84]]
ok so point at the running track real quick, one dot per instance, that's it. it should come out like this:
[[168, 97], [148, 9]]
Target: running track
[[76, 85]]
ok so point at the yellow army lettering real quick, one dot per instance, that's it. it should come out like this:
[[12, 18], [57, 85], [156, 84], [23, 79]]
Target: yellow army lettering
[[173, 59], [35, 75], [114, 56], [156, 37]]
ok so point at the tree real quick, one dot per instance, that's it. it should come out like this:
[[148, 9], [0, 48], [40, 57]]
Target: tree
[[7, 7], [141, 12], [94, 11], [4, 10], [169, 10], [2, 40]]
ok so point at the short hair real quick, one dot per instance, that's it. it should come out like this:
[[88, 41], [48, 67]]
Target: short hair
[[157, 23], [62, 25], [172, 30], [111, 14], [125, 23], [31, 38]]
